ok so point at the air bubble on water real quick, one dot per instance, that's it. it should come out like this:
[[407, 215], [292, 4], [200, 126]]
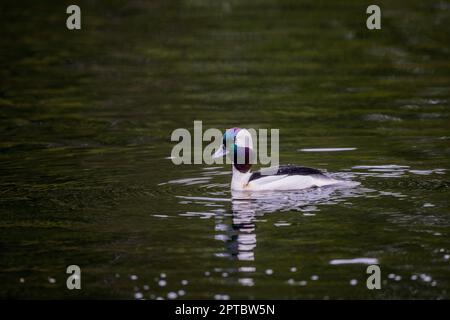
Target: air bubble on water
[[391, 276], [353, 282], [184, 282], [398, 278], [133, 277], [138, 295], [146, 287], [162, 275], [247, 269], [162, 283], [293, 269], [172, 295], [225, 274], [181, 293], [303, 283], [248, 282], [207, 273], [414, 277], [291, 281], [51, 280], [314, 277], [425, 277], [159, 298], [221, 297], [22, 280], [447, 256], [269, 272]]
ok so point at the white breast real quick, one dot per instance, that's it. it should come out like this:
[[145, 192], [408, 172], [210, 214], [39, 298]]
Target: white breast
[[239, 180]]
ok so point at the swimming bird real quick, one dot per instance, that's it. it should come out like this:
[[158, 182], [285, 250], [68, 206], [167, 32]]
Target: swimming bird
[[238, 144]]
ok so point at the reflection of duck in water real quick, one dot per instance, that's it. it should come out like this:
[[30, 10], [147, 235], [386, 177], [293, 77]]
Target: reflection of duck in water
[[248, 206], [238, 142], [242, 234]]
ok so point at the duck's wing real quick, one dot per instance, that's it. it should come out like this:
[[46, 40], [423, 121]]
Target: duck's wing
[[288, 178], [287, 170]]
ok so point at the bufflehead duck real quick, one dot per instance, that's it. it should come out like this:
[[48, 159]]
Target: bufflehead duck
[[238, 142]]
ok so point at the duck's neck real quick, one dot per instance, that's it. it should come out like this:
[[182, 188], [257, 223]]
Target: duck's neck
[[240, 179]]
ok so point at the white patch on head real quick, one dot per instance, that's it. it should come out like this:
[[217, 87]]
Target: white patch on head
[[244, 139]]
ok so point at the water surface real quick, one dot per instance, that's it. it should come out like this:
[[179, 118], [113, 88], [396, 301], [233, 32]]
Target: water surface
[[86, 119]]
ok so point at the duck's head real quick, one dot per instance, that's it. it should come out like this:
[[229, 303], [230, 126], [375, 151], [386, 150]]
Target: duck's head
[[238, 145]]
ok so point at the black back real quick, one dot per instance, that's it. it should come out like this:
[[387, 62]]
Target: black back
[[289, 170]]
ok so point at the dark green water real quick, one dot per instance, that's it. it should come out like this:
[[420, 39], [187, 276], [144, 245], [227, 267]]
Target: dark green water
[[86, 118]]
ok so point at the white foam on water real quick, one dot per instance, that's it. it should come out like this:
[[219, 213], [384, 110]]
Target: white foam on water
[[354, 261]]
